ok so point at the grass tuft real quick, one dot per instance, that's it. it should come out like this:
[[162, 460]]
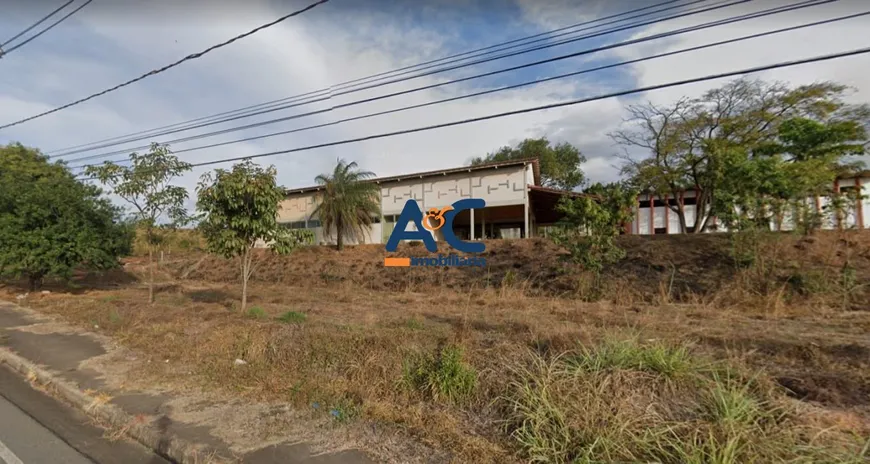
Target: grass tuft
[[292, 317], [256, 312], [444, 377], [670, 361], [601, 404], [414, 324]]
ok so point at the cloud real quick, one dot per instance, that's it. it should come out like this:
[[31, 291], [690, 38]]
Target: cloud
[[114, 41], [820, 40]]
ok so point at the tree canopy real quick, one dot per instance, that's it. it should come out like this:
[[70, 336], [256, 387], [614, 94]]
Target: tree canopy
[[750, 148], [50, 223], [559, 164], [146, 185], [239, 210]]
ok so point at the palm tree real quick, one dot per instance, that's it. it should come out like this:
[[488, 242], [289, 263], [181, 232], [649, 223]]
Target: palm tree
[[348, 204]]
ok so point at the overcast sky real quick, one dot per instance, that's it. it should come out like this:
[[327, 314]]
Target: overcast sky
[[111, 41]]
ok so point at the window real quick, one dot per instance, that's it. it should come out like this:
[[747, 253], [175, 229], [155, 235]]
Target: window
[[313, 223], [293, 225]]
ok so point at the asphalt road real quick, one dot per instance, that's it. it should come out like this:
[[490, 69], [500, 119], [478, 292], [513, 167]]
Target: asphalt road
[[23, 440], [36, 429]]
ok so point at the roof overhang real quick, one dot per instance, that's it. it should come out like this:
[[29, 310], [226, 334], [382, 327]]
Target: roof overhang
[[536, 171], [543, 201]]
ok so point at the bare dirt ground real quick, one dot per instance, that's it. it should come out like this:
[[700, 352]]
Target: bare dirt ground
[[332, 337]]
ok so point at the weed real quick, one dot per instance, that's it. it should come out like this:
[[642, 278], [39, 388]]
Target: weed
[[509, 278], [629, 354], [114, 317], [443, 377], [345, 410], [808, 282], [256, 312], [608, 404], [292, 317], [414, 324]]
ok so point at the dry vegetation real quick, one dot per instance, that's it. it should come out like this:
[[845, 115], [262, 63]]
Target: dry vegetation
[[711, 349]]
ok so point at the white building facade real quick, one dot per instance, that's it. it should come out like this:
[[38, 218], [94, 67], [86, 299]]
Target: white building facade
[[655, 214], [509, 188]]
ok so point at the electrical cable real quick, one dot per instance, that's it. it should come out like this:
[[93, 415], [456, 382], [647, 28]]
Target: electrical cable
[[50, 27], [622, 93], [346, 83], [167, 67], [428, 73], [8, 41], [523, 84], [716, 23]]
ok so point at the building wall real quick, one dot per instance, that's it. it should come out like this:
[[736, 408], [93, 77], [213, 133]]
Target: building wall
[[498, 187], [857, 217]]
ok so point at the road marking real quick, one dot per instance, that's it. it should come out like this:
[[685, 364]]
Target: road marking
[[8, 456]]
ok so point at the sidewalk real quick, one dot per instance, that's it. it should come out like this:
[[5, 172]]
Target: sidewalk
[[63, 360]]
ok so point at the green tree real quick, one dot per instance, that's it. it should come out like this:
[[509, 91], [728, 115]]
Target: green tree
[[801, 162], [51, 224], [591, 223], [239, 211], [145, 184], [348, 204], [559, 164], [716, 144]]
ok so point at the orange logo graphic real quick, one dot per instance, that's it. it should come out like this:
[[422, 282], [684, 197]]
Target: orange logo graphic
[[435, 215]]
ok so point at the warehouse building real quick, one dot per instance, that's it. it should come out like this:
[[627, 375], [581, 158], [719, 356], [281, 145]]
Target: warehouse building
[[517, 206]]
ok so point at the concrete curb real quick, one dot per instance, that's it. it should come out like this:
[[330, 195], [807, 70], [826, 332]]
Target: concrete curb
[[172, 448]]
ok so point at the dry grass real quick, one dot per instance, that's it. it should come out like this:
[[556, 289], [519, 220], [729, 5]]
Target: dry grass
[[440, 365], [649, 366], [627, 401]]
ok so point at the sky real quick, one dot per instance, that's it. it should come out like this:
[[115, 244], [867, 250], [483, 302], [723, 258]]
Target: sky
[[111, 41]]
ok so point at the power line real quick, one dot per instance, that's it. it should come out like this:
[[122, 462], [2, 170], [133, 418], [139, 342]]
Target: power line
[[523, 84], [50, 27], [752, 70], [169, 66], [8, 41], [716, 23], [428, 73], [326, 90]]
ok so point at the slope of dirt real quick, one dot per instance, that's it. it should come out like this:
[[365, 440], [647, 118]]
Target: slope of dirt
[[684, 267]]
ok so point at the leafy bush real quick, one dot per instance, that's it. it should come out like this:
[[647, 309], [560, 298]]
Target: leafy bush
[[52, 224], [592, 222]]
